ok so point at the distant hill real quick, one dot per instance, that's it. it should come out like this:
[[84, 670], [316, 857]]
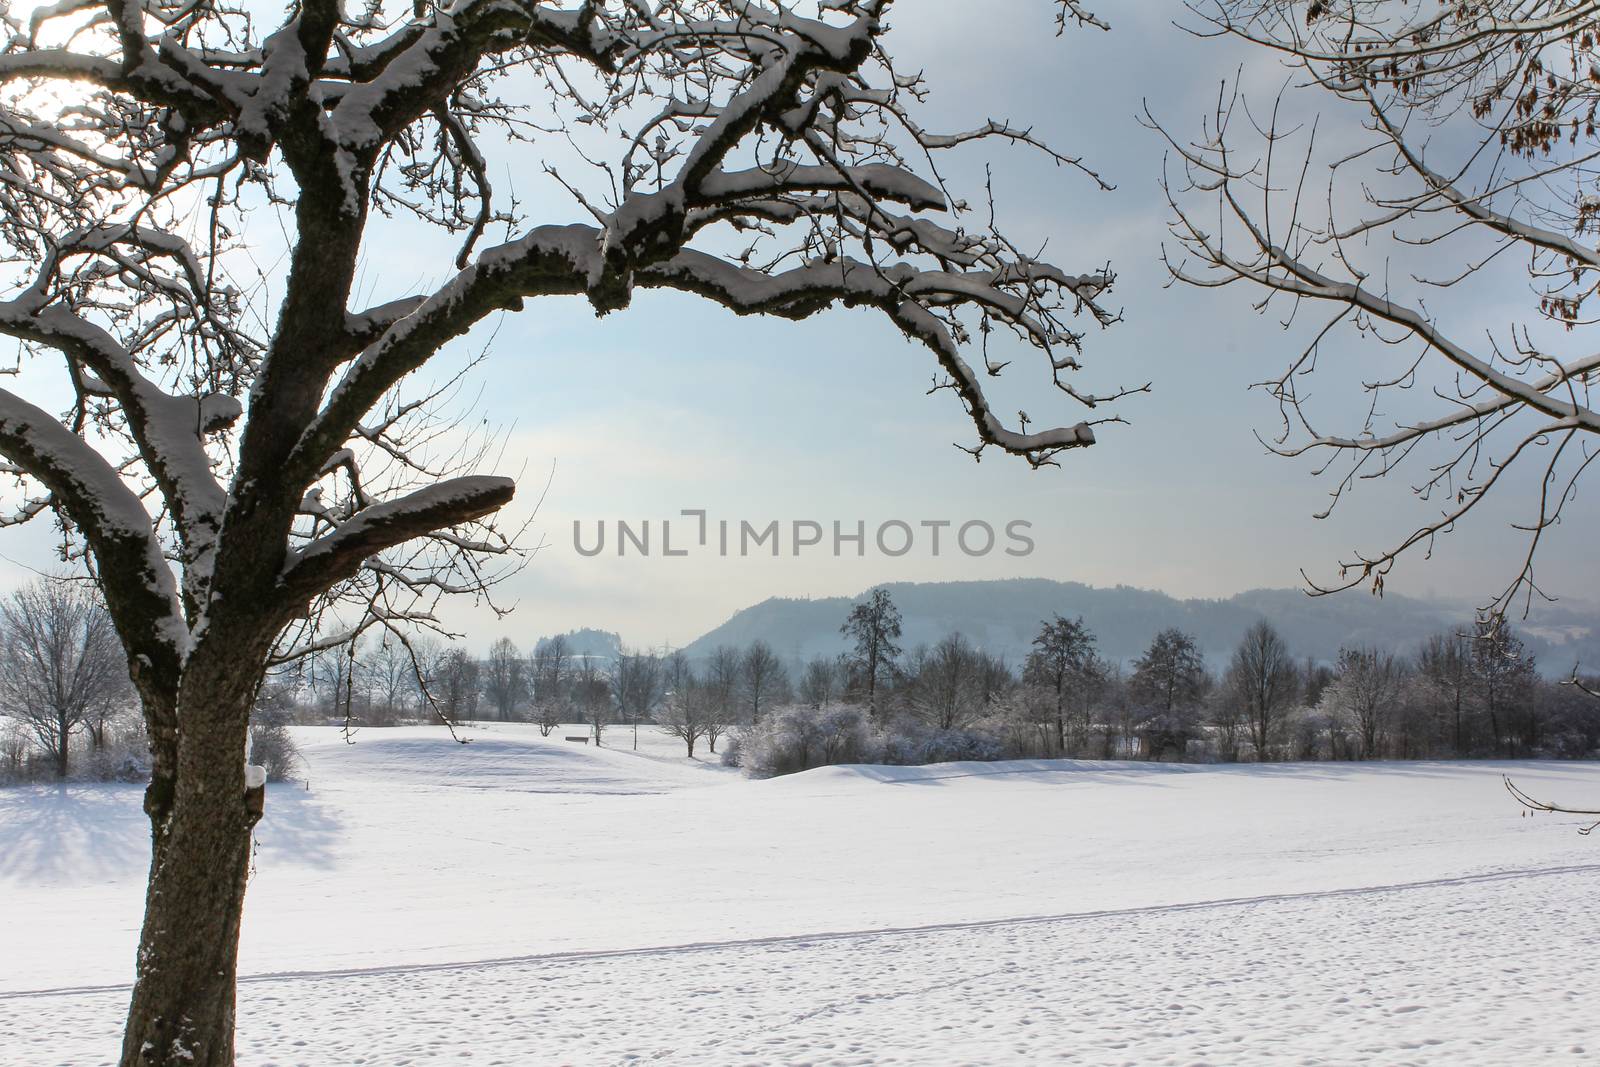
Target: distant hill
[[1002, 617], [586, 643]]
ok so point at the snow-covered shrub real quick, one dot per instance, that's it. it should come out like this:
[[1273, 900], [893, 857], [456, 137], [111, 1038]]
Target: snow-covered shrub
[[912, 744], [14, 745], [271, 745], [123, 754], [273, 748], [798, 737]]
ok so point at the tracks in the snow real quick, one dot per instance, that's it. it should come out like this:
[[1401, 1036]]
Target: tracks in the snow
[[801, 940]]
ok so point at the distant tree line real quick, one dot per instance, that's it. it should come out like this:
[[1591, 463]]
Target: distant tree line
[[387, 682], [1467, 694], [1457, 694]]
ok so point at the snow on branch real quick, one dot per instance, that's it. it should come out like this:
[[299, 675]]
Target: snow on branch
[[337, 555], [134, 574]]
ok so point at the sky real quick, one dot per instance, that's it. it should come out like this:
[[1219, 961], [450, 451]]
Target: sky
[[676, 404]]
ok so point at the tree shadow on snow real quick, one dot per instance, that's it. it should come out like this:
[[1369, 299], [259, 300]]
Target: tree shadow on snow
[[298, 826], [73, 833], [1070, 771]]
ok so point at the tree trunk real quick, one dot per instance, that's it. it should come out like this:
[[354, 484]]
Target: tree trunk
[[182, 1012], [63, 745], [1061, 726]]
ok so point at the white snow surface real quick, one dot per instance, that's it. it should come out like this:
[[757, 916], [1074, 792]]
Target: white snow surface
[[527, 900]]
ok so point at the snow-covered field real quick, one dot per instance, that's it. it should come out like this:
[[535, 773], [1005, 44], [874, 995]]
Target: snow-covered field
[[522, 900]]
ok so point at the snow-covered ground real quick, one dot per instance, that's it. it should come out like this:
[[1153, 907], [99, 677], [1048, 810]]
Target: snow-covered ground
[[522, 900]]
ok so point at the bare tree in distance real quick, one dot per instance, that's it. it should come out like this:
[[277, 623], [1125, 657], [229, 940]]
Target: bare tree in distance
[[1473, 180], [684, 706], [549, 667], [722, 678], [820, 682], [1501, 670], [944, 688], [249, 462], [455, 685], [762, 678], [1365, 692], [1263, 679], [1445, 667], [389, 672], [1169, 678], [873, 628], [592, 691], [1062, 662], [636, 684], [548, 673], [59, 661], [1171, 672], [504, 677]]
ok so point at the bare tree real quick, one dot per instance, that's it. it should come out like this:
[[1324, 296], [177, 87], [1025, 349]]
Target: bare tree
[[389, 672], [1474, 179], [1063, 662], [743, 152], [59, 662], [636, 682], [455, 686], [820, 683], [1366, 692], [684, 708], [1171, 673], [548, 670], [946, 691], [1225, 716], [995, 679], [1170, 680], [1444, 667], [1263, 679], [762, 678], [548, 677], [873, 627], [1502, 673], [718, 721], [504, 677], [592, 691], [723, 671]]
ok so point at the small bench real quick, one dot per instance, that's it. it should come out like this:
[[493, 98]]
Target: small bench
[[584, 738]]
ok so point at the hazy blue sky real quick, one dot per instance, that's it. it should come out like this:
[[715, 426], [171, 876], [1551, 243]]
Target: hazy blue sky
[[677, 404]]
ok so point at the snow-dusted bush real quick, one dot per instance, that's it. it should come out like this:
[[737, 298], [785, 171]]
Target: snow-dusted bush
[[798, 737], [115, 752], [123, 754], [14, 746], [273, 748], [271, 745], [912, 744], [733, 750]]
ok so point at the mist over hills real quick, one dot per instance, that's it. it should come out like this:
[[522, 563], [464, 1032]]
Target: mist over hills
[[1002, 616]]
